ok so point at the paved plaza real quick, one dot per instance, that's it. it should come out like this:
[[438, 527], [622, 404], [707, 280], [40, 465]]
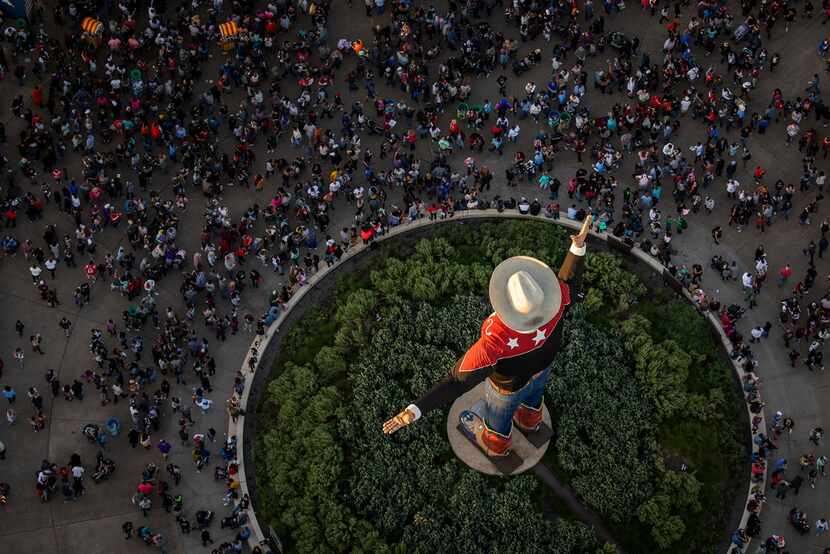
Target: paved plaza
[[92, 524]]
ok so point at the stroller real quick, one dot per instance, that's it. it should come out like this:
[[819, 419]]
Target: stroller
[[104, 467], [204, 518], [233, 521], [91, 431], [798, 519], [723, 267]]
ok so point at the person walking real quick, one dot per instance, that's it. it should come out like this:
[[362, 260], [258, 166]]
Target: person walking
[[206, 539], [821, 526], [821, 462], [35, 270], [717, 233], [796, 483], [144, 504], [164, 447]]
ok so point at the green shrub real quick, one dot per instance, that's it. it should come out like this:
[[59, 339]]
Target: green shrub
[[609, 285], [606, 432]]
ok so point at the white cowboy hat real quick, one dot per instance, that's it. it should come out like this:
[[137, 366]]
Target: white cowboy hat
[[525, 293]]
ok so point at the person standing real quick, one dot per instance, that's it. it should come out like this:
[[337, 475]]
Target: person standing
[[821, 526], [19, 356], [66, 325], [781, 492], [77, 480], [9, 394], [810, 251], [19, 327], [127, 529], [206, 538], [37, 340], [132, 437], [51, 265], [784, 274]]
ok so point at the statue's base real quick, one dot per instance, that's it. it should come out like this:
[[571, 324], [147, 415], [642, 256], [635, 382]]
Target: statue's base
[[526, 451]]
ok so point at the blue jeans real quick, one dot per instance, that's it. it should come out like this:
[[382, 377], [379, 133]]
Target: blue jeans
[[497, 409]]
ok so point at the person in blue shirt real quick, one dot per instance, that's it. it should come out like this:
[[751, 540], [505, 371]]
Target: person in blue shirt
[[9, 394]]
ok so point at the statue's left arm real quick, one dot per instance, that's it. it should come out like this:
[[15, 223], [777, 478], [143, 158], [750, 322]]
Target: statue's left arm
[[573, 267]]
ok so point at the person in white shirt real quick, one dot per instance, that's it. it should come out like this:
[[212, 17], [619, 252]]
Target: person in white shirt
[[757, 333], [35, 270]]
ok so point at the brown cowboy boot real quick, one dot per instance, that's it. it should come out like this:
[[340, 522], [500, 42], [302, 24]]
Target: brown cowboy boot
[[491, 443]]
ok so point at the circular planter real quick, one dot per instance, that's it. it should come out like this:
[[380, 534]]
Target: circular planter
[[262, 349]]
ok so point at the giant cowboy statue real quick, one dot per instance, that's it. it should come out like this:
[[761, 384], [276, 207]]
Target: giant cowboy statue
[[514, 353]]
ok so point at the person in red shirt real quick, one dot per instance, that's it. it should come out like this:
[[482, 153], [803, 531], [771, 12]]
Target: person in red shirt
[[759, 173], [517, 345], [784, 274], [91, 271], [37, 96], [367, 233]]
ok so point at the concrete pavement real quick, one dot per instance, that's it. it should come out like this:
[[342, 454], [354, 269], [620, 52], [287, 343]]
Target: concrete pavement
[[93, 523]]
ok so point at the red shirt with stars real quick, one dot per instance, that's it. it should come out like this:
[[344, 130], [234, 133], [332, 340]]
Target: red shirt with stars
[[508, 358]]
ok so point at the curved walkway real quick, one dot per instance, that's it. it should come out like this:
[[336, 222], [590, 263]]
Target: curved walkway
[[259, 346]]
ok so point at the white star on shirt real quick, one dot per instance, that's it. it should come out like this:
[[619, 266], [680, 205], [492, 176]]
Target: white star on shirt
[[540, 337], [513, 343]]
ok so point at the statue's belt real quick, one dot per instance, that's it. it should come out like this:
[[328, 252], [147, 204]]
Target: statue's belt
[[504, 390]]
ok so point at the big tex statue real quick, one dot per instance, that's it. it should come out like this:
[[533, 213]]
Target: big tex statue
[[514, 353]]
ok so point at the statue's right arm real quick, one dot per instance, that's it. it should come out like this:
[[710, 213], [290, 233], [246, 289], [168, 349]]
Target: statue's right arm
[[455, 383], [468, 372]]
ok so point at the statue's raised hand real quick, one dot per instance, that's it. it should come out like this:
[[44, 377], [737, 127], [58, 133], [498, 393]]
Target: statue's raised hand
[[579, 240], [401, 420]]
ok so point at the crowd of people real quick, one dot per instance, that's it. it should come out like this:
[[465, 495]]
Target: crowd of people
[[272, 126]]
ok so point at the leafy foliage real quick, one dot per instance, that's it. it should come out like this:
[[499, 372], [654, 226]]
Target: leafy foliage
[[677, 495], [606, 432], [609, 285], [660, 367], [303, 460]]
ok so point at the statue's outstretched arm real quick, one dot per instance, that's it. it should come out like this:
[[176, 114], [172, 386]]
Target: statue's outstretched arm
[[455, 383]]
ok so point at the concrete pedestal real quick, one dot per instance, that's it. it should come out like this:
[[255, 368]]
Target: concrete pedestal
[[471, 455]]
